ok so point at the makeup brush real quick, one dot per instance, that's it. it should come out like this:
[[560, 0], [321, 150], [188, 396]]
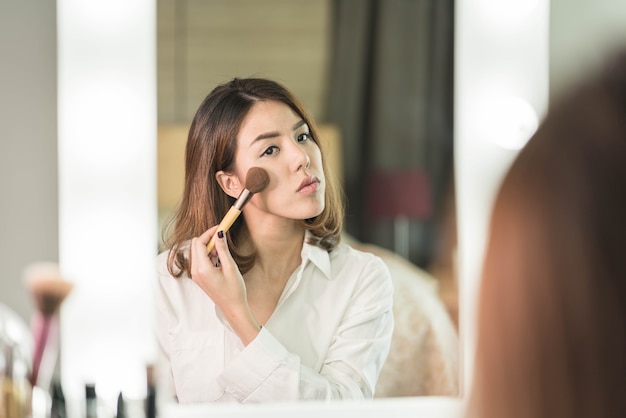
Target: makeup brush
[[256, 180], [48, 290]]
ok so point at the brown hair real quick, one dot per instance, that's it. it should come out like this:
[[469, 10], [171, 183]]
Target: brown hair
[[551, 337], [211, 146]]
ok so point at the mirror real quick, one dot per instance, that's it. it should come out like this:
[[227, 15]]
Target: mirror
[[29, 86], [377, 78]]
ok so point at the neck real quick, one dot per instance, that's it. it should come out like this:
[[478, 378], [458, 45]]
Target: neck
[[278, 246]]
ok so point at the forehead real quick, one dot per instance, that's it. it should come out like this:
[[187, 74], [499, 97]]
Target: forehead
[[267, 117]]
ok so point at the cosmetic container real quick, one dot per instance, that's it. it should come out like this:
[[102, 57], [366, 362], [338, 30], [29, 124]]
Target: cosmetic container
[[150, 403], [13, 399], [58, 408], [91, 401], [15, 365]]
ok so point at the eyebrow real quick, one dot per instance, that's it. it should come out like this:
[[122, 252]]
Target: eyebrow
[[275, 134]]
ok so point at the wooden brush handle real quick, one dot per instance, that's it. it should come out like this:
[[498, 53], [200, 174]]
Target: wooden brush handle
[[230, 217]]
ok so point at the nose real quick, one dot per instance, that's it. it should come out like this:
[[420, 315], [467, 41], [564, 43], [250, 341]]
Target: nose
[[300, 158]]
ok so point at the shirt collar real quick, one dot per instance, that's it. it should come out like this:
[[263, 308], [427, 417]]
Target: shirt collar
[[318, 256]]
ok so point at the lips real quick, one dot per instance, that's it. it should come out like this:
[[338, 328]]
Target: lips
[[308, 182]]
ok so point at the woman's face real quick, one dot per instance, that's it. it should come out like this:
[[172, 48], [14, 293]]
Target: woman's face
[[274, 137]]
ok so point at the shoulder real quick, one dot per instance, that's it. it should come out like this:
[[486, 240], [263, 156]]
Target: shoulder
[[165, 279], [364, 275], [163, 258], [361, 266], [174, 294], [348, 255], [161, 264]]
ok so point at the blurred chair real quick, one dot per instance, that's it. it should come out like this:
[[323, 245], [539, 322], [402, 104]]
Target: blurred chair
[[424, 355]]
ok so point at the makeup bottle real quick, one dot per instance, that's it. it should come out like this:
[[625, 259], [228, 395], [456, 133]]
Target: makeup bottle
[[150, 406], [12, 401], [58, 408], [121, 407], [91, 401]]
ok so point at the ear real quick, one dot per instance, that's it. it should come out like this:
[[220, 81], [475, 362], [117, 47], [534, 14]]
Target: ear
[[229, 182]]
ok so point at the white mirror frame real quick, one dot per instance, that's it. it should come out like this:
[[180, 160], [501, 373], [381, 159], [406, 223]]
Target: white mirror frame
[[107, 195]]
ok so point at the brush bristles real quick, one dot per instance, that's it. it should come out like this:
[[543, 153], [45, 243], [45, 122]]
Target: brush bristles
[[257, 179], [47, 286]]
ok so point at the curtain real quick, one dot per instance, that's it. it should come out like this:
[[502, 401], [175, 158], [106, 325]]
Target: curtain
[[390, 94]]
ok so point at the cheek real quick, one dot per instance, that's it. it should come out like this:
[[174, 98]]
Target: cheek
[[273, 185], [316, 159], [272, 195], [244, 160]]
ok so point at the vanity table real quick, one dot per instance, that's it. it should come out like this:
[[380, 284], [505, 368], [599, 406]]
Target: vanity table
[[423, 407]]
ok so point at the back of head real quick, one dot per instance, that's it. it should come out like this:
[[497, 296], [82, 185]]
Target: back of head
[[551, 322]]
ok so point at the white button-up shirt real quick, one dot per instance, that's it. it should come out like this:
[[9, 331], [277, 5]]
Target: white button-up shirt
[[327, 338]]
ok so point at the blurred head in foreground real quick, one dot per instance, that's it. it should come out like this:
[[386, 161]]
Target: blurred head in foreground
[[552, 303]]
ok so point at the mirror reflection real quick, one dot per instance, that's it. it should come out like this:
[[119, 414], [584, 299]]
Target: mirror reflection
[[29, 156], [377, 79]]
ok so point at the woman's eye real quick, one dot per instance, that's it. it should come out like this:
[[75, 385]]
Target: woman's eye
[[304, 137], [270, 150]]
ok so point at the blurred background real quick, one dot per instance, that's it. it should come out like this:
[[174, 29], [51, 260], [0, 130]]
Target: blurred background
[[376, 75]]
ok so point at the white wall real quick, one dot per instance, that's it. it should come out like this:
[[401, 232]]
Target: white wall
[[28, 147]]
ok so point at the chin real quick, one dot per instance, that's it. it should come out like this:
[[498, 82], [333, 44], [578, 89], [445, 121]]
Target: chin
[[310, 213]]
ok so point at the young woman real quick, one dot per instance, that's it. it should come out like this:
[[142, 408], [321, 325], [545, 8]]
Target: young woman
[[280, 309]]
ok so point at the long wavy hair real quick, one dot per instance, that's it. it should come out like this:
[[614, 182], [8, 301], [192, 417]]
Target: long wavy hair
[[211, 146]]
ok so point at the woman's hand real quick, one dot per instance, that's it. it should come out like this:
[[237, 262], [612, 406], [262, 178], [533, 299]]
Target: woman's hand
[[218, 275]]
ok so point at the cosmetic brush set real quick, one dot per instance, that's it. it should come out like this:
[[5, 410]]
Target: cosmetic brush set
[[48, 290]]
